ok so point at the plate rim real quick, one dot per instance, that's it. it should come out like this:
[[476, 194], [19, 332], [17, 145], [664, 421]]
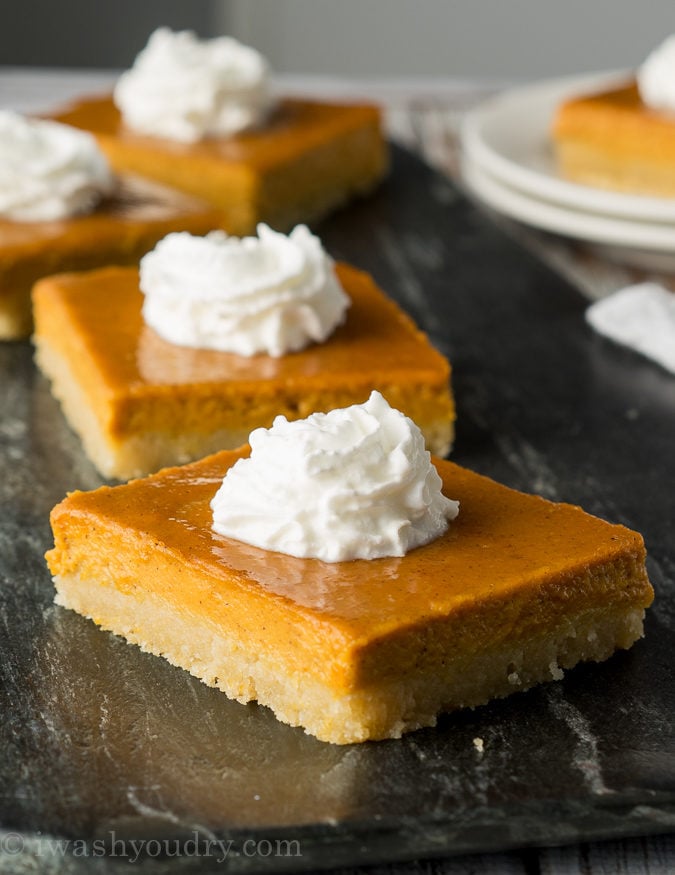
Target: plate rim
[[479, 145], [546, 216]]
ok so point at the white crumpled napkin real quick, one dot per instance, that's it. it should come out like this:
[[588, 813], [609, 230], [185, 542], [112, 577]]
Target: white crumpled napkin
[[641, 317]]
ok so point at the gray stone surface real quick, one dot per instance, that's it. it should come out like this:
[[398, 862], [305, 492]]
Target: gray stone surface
[[100, 743]]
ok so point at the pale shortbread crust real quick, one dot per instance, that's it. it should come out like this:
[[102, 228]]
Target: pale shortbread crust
[[143, 453], [601, 168], [381, 710]]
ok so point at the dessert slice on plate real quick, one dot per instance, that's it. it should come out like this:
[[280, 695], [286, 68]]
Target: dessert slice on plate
[[331, 575], [200, 116], [623, 138], [229, 333]]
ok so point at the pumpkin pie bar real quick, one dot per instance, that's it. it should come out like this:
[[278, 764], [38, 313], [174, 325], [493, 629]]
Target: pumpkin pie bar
[[308, 158], [516, 590], [613, 140], [139, 402], [120, 230]]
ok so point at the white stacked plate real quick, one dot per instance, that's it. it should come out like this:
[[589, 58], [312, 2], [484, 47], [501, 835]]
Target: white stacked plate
[[508, 163]]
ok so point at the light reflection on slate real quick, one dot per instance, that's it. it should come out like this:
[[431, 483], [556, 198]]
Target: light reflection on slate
[[96, 735]]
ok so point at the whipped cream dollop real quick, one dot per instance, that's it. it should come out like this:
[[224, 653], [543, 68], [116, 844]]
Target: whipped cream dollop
[[656, 77], [184, 88], [48, 170], [355, 483], [274, 293], [641, 317]]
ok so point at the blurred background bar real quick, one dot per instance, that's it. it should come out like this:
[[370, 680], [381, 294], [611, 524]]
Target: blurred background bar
[[91, 33], [465, 38]]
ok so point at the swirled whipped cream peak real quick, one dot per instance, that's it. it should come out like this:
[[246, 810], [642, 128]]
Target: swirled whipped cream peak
[[186, 89], [355, 483], [48, 171], [274, 293], [656, 77]]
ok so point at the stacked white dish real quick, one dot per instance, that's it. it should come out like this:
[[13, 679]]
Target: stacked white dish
[[508, 162]]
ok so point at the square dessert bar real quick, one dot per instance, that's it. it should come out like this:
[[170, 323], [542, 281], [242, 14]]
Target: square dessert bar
[[517, 589], [120, 230], [139, 402], [307, 159], [612, 140]]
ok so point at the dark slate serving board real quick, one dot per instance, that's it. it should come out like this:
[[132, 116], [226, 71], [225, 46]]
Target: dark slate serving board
[[102, 743]]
